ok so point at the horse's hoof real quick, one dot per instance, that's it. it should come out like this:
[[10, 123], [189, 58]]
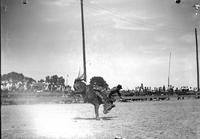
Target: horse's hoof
[[112, 106]]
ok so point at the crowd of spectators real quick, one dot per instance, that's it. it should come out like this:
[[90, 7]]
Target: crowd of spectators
[[162, 90]]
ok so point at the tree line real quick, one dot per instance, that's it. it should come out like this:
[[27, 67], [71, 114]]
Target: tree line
[[14, 81]]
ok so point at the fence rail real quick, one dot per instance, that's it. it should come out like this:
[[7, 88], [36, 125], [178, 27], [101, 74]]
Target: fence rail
[[162, 97]]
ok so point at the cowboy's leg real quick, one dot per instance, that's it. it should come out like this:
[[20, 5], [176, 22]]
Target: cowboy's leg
[[106, 101], [108, 105], [112, 100]]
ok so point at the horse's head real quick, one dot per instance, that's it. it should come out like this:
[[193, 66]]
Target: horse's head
[[79, 85]]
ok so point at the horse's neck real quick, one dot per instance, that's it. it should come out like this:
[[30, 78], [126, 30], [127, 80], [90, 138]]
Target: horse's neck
[[89, 87]]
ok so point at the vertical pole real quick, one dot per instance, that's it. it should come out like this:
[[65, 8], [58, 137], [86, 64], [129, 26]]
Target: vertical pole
[[197, 59], [83, 38], [169, 70]]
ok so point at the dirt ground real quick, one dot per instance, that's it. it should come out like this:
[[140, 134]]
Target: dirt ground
[[135, 120]]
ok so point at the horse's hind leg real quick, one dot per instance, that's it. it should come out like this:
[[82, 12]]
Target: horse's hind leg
[[96, 108]]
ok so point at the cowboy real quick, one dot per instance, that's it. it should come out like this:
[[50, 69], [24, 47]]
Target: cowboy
[[107, 101], [102, 94], [115, 90]]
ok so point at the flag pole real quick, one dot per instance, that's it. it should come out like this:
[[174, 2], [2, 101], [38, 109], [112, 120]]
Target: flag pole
[[169, 70]]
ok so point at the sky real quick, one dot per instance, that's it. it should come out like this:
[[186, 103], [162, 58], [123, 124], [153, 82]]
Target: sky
[[128, 42]]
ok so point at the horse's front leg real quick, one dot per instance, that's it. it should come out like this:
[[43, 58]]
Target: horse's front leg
[[96, 108]]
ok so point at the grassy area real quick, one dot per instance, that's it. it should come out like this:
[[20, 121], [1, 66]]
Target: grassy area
[[36, 98], [16, 98]]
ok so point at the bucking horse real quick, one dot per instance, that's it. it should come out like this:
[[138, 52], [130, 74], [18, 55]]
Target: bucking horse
[[88, 94]]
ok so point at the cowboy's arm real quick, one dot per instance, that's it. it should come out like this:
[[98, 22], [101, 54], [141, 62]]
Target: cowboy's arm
[[119, 94], [113, 92], [110, 94]]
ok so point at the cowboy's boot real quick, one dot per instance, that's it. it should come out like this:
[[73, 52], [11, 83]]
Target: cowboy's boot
[[105, 111]]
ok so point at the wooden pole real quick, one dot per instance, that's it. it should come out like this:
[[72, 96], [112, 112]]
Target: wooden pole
[[197, 59], [83, 38]]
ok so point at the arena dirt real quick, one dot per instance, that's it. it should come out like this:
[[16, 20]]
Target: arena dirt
[[135, 120]]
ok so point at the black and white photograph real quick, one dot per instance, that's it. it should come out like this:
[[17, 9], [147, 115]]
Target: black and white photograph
[[100, 69]]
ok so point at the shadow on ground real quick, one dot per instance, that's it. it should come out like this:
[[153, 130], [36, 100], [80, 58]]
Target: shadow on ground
[[102, 118]]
